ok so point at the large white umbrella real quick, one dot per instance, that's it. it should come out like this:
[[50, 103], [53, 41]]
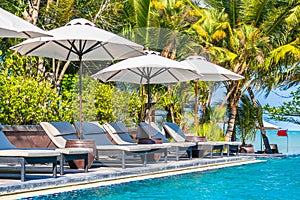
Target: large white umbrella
[[147, 69], [209, 71], [80, 40], [269, 126], [12, 26]]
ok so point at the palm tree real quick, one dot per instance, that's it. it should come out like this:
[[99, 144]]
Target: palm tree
[[248, 33]]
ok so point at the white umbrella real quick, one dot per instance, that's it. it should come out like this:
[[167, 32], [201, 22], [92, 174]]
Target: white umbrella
[[12, 26], [147, 69], [269, 126], [209, 71], [80, 40]]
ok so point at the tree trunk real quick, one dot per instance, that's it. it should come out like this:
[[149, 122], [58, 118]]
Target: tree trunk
[[231, 121], [33, 11], [260, 120]]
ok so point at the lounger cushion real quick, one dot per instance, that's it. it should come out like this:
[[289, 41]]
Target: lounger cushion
[[59, 132], [94, 131], [121, 131], [89, 128], [62, 128], [154, 133], [28, 153], [174, 131], [74, 151], [5, 143]]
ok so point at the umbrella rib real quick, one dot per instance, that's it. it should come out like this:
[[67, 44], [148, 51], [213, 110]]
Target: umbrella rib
[[64, 46], [114, 74], [173, 76], [107, 50], [72, 45], [25, 33], [141, 74], [82, 46], [159, 72], [225, 76], [35, 48], [93, 47]]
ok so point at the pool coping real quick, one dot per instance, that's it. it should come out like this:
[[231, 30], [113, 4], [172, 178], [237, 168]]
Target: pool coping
[[108, 176]]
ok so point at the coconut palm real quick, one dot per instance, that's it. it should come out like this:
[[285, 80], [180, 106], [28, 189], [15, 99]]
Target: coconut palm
[[246, 37]]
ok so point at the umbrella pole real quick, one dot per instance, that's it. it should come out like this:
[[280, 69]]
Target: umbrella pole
[[149, 99], [80, 96], [148, 108]]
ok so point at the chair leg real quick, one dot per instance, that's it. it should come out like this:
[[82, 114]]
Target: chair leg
[[62, 161], [166, 155], [145, 159], [86, 163], [123, 159], [228, 149], [221, 151], [23, 170], [54, 169]]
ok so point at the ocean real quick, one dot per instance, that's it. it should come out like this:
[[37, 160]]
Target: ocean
[[289, 144]]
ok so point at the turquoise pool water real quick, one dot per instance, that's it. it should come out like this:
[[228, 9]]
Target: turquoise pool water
[[274, 179]]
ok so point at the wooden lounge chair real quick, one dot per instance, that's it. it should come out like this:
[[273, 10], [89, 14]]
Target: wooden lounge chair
[[93, 130], [174, 131], [59, 133], [9, 154], [152, 131]]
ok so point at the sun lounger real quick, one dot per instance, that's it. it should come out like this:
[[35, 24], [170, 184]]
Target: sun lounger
[[59, 133], [119, 134], [93, 130], [174, 131], [152, 131], [9, 154]]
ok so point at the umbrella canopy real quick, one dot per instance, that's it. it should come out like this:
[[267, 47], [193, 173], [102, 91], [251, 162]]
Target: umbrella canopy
[[147, 69], [269, 126], [209, 71], [12, 26], [80, 40]]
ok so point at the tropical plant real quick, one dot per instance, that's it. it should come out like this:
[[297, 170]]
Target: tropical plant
[[212, 129], [289, 111], [25, 100], [246, 120], [103, 103]]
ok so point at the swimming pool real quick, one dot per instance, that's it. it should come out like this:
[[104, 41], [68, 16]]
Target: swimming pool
[[273, 179]]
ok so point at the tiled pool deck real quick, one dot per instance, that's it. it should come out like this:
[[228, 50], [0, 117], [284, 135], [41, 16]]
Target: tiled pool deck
[[42, 183]]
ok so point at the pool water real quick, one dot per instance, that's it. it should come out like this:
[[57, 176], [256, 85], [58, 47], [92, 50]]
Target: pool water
[[274, 179]]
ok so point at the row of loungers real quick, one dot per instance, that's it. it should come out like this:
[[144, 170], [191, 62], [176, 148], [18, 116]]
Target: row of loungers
[[114, 136], [111, 138], [9, 154]]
